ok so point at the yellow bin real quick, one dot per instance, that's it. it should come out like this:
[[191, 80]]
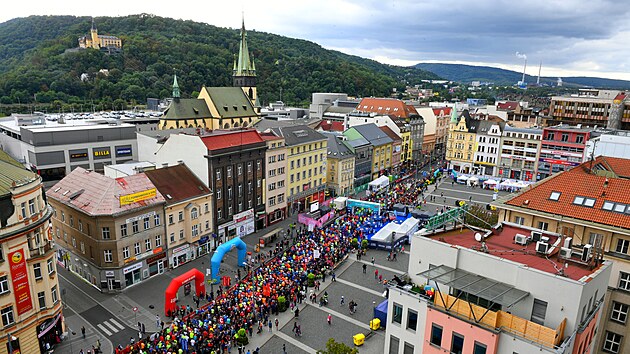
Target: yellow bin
[[359, 339], [375, 324]]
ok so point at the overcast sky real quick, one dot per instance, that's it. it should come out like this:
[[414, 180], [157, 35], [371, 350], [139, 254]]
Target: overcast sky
[[570, 37]]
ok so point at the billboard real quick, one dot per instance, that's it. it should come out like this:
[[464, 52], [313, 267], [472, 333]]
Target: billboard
[[19, 278], [136, 197]]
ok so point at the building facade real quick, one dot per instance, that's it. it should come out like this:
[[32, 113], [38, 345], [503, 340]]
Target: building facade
[[30, 304], [562, 148], [340, 165], [108, 231], [460, 147], [100, 42], [362, 150], [487, 148], [276, 178], [54, 149], [520, 148], [589, 204], [603, 108], [397, 146], [609, 143], [187, 214], [381, 147], [306, 164]]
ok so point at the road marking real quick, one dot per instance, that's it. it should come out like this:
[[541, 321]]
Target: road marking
[[383, 267], [360, 287], [116, 323], [103, 329], [109, 325], [296, 342]]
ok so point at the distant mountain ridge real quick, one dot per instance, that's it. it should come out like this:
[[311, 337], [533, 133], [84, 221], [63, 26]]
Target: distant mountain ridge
[[468, 73]]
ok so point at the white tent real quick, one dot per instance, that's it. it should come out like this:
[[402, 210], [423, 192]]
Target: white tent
[[340, 203], [462, 178], [386, 233], [473, 180], [491, 182], [408, 227]]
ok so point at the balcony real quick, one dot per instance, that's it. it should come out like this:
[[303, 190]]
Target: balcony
[[500, 320], [41, 250]]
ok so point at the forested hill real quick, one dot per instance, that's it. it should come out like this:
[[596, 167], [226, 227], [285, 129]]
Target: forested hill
[[36, 64], [467, 73]]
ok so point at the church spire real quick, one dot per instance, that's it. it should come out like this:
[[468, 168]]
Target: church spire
[[176, 93], [454, 114], [243, 66], [93, 25]]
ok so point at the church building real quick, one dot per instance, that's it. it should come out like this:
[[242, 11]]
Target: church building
[[219, 107], [100, 42]]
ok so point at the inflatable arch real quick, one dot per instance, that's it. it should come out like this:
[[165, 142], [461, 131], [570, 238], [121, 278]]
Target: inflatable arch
[[171, 291], [218, 255]]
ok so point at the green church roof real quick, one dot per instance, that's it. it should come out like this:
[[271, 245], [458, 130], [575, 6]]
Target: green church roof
[[187, 108]]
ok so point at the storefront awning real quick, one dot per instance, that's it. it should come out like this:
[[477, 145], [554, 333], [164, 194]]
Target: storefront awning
[[473, 284], [47, 325]]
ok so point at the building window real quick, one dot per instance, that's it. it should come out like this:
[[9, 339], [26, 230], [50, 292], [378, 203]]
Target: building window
[[23, 208], [105, 233], [218, 193], [519, 220], [146, 223], [180, 216], [71, 221], [207, 224], [412, 320], [181, 234], [195, 230], [230, 192], [51, 266], [394, 343], [397, 314], [539, 312], [7, 316], [156, 219], [219, 213], [408, 348], [170, 219], [4, 285], [229, 172], [193, 213], [53, 292], [240, 169], [479, 348], [542, 225], [147, 244], [207, 209], [622, 246], [258, 165], [134, 226], [41, 297], [612, 343], [126, 252], [63, 217], [218, 175], [172, 237], [436, 335], [619, 312], [37, 270], [457, 343], [136, 248], [31, 206], [249, 204], [555, 196], [107, 254], [624, 281], [158, 241]]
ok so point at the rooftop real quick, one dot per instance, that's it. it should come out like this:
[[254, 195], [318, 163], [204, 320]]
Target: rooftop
[[298, 134], [599, 197], [373, 134], [224, 139], [70, 124], [330, 126], [12, 172], [336, 148], [386, 106], [187, 108], [392, 135], [177, 183], [502, 245]]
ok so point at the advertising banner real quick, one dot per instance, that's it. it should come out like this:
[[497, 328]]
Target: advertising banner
[[136, 197], [19, 278]]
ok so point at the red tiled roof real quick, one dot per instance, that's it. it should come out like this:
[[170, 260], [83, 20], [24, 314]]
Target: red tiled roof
[[177, 183], [579, 182], [392, 134], [228, 139], [269, 136], [445, 111], [621, 167], [96, 194], [386, 106], [507, 106], [330, 126], [502, 245]]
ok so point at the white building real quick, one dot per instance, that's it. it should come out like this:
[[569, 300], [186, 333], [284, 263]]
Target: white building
[[488, 144], [613, 144], [520, 150]]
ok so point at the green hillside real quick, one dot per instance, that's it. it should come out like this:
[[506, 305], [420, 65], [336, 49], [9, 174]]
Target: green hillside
[[467, 73], [38, 65]]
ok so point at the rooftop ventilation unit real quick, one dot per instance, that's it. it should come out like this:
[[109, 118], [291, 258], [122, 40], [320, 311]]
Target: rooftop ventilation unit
[[542, 247], [565, 253], [521, 239], [587, 252], [536, 236]]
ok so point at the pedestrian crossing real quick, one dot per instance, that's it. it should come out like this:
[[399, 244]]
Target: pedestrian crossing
[[110, 326]]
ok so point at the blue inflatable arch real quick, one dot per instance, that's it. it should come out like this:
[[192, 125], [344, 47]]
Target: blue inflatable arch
[[218, 255]]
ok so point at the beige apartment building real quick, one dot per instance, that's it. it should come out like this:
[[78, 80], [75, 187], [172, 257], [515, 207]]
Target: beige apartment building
[[188, 213], [109, 231], [30, 305], [340, 172], [276, 178], [589, 206]]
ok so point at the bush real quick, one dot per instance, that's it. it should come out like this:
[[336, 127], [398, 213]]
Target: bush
[[241, 337], [282, 303], [311, 279], [354, 243], [364, 244]]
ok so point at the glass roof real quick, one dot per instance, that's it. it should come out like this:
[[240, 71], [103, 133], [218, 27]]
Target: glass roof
[[473, 284]]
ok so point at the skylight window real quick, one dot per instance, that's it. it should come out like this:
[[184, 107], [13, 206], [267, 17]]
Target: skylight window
[[620, 208], [578, 200], [608, 206], [555, 195], [589, 202]]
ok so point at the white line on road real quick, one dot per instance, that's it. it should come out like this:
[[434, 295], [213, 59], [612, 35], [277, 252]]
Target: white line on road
[[116, 323], [296, 342], [383, 267], [363, 288], [103, 329], [109, 325]]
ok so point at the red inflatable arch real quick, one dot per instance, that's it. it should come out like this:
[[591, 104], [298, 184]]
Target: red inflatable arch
[[171, 291]]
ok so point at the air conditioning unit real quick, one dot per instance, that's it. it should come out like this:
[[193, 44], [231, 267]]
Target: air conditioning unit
[[544, 239], [565, 252], [542, 247], [587, 252], [536, 236], [568, 242], [521, 239]]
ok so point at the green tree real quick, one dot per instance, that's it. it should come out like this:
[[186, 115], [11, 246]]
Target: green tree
[[333, 347]]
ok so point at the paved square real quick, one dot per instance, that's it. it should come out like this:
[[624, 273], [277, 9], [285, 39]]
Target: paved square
[[274, 345]]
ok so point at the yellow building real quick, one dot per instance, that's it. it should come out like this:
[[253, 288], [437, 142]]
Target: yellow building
[[218, 107], [306, 161], [460, 147], [340, 165], [96, 41], [30, 299]]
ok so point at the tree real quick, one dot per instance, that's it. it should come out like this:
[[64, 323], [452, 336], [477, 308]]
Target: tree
[[332, 347]]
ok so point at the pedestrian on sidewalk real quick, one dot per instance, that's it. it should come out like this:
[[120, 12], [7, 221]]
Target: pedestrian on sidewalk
[[372, 260], [270, 325], [284, 348], [277, 322], [375, 273], [342, 301], [157, 321], [364, 268], [83, 331], [329, 319], [333, 276]]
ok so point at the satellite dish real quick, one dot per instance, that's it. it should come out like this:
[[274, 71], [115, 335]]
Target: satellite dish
[[478, 237]]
